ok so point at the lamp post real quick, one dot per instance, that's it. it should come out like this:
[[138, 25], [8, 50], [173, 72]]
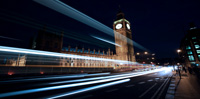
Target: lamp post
[[178, 51]]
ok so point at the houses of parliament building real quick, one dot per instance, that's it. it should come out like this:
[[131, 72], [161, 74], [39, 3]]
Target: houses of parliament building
[[54, 42]]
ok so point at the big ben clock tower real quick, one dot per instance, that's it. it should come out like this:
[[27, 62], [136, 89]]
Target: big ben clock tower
[[122, 31]]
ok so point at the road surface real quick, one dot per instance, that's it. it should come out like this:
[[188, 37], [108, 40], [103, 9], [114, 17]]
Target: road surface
[[127, 85]]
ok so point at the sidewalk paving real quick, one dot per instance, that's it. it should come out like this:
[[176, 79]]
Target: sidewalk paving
[[188, 87]]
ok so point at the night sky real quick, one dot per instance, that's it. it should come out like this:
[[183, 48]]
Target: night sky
[[157, 25]]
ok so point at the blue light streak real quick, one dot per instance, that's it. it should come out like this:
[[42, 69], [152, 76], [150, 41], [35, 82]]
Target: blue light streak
[[91, 88], [9, 38], [75, 84], [106, 41], [60, 77], [56, 87]]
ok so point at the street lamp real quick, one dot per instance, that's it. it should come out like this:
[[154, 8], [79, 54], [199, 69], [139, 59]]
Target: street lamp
[[137, 53], [145, 52], [178, 51]]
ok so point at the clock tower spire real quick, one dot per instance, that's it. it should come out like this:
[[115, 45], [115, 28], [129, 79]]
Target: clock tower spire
[[122, 32]]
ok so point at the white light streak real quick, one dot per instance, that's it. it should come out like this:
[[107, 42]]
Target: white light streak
[[105, 77], [46, 53], [73, 85], [90, 88]]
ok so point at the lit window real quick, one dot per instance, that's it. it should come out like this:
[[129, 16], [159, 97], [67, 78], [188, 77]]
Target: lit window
[[199, 56], [189, 52], [198, 51], [196, 46], [195, 42], [192, 62], [188, 47], [191, 57], [194, 37]]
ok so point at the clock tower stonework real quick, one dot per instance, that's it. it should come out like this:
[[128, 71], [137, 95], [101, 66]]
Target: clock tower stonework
[[123, 38]]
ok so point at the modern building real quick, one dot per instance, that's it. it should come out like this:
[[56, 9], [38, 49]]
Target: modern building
[[190, 47]]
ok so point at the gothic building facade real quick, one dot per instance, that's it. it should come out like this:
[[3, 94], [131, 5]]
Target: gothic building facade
[[123, 39], [124, 48]]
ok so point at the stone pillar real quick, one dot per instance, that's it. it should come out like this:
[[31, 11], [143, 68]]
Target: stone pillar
[[99, 51], [94, 51], [69, 48], [88, 50], [108, 51], [111, 53], [76, 48], [83, 50]]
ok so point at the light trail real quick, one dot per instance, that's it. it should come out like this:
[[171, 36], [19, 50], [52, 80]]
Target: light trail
[[114, 76], [60, 77], [67, 10], [90, 88], [37, 52], [96, 78], [9, 38], [106, 41], [72, 85]]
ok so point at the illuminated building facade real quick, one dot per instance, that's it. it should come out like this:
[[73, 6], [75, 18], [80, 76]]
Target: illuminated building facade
[[122, 33], [20, 61], [125, 52], [190, 47]]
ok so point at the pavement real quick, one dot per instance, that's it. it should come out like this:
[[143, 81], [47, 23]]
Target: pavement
[[188, 87]]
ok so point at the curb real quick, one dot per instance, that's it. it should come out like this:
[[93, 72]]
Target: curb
[[172, 88]]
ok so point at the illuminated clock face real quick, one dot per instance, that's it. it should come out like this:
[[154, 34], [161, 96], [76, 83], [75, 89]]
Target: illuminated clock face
[[128, 26], [118, 26]]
